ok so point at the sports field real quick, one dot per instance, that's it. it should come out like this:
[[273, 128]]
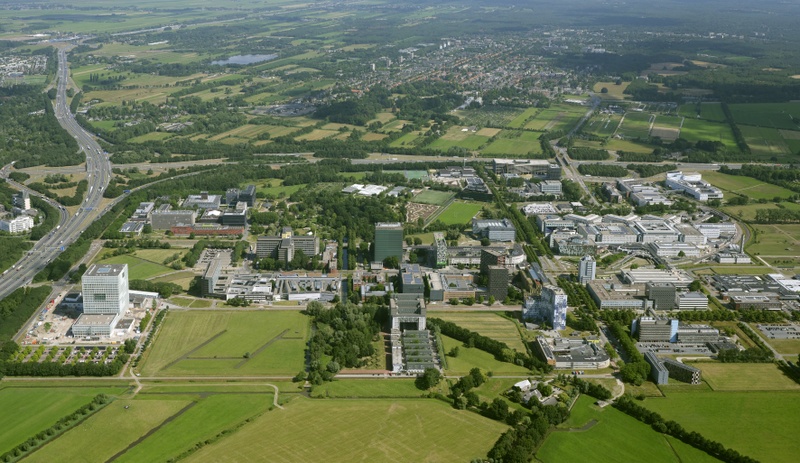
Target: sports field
[[746, 377], [470, 357], [608, 435], [27, 411], [762, 425], [418, 430], [459, 213], [488, 324], [434, 197], [236, 343]]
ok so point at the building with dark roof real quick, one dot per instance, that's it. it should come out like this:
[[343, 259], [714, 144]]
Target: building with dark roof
[[411, 279], [388, 241]]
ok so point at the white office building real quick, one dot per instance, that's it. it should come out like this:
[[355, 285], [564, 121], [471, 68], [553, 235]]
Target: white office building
[[105, 289], [19, 224]]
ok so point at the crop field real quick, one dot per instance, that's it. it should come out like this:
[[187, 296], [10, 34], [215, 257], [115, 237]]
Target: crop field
[[470, 357], [695, 130], [609, 435], [765, 141], [111, 429], [138, 269], [434, 197], [458, 138], [233, 343], [317, 134], [668, 128], [746, 377], [519, 121], [753, 188], [488, 324], [459, 213], [514, 143], [27, 411], [378, 388], [772, 115], [210, 416], [708, 112], [407, 139], [418, 429], [495, 116], [762, 425], [636, 125], [557, 117], [602, 125]]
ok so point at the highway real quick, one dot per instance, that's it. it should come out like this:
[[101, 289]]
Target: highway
[[98, 170]]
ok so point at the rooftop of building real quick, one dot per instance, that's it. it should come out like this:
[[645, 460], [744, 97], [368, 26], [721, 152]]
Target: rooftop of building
[[103, 270]]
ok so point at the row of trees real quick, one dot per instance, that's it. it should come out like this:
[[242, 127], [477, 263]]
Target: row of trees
[[636, 369], [60, 369], [648, 170], [603, 170], [674, 429], [582, 153]]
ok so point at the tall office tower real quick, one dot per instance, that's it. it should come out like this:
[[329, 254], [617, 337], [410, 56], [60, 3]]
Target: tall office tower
[[388, 241], [587, 269], [105, 289]]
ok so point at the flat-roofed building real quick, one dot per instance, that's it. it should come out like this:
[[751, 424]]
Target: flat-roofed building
[[682, 371], [411, 279], [693, 185], [650, 231], [105, 289], [550, 306], [674, 249], [616, 297], [697, 334], [733, 258], [658, 372], [407, 311], [494, 229], [692, 300], [202, 201], [166, 219], [761, 301], [571, 354], [662, 295], [498, 282], [651, 329], [388, 241], [576, 246], [650, 275], [608, 234], [537, 167], [446, 286], [94, 325], [21, 224]]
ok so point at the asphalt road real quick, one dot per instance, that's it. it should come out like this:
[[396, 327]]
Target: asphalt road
[[98, 170]]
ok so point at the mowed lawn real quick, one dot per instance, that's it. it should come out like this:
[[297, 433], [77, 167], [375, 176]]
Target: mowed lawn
[[755, 189], [746, 377], [776, 240], [459, 213], [205, 420], [228, 343], [350, 388], [615, 437], [762, 425], [138, 269], [109, 431], [470, 357], [486, 323], [25, 411], [363, 430]]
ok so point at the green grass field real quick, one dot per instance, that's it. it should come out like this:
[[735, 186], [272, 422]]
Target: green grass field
[[488, 324], [557, 117], [215, 343], [459, 213], [514, 143], [437, 198], [520, 119], [111, 429], [748, 213], [470, 357], [28, 410], [635, 125], [616, 437], [458, 138], [209, 417], [746, 377], [762, 425], [776, 240], [695, 130], [755, 189], [764, 141], [138, 269], [377, 388], [275, 187], [388, 431], [707, 111], [772, 115], [602, 125]]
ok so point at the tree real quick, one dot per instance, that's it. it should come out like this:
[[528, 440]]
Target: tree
[[695, 285], [391, 262], [454, 352], [429, 378]]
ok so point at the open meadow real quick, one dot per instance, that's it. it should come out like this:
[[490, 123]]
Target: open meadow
[[470, 357], [748, 186], [608, 435], [487, 324], [236, 343], [400, 430], [776, 240], [745, 377], [27, 411], [138, 268]]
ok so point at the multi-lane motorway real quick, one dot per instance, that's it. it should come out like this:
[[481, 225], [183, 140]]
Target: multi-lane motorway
[[98, 169]]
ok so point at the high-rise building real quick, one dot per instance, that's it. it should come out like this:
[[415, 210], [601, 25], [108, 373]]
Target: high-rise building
[[587, 269], [105, 289], [662, 295], [441, 249], [498, 282], [22, 200], [550, 307], [388, 241]]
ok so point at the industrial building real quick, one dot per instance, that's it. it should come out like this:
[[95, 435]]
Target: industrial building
[[537, 167], [494, 229], [693, 185]]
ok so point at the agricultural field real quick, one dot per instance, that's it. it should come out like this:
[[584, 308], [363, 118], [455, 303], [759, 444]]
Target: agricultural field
[[228, 343], [745, 377], [668, 128], [636, 125], [437, 198], [557, 117], [602, 125], [486, 323], [30, 410], [609, 435], [750, 187], [759, 424], [459, 213], [764, 141], [770, 115], [705, 111], [111, 429], [470, 357], [514, 143], [519, 121], [457, 136], [418, 430], [494, 116], [694, 130], [138, 269]]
